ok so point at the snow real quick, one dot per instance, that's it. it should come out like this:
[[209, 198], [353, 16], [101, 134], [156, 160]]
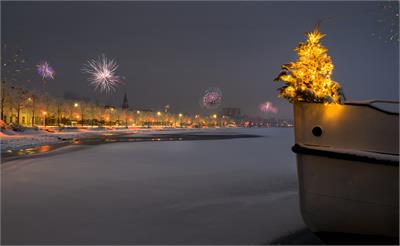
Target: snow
[[233, 191], [11, 141], [356, 153]]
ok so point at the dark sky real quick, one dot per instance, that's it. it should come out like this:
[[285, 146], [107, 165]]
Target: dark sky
[[170, 52]]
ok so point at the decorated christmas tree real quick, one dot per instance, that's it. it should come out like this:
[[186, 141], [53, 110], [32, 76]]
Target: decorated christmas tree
[[308, 79]]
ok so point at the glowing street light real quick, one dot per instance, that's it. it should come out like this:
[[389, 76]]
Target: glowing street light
[[76, 105], [158, 113], [180, 115], [44, 115], [30, 100], [214, 116], [137, 112]]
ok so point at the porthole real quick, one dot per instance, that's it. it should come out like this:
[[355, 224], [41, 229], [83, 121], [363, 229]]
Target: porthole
[[317, 131]]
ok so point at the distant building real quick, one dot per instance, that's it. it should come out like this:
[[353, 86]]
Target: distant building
[[256, 121], [166, 108], [125, 104], [140, 109], [111, 107], [231, 112]]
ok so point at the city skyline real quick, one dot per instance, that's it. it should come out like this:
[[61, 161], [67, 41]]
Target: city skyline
[[170, 53]]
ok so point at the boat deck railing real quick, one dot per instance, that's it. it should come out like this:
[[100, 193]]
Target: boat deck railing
[[372, 104]]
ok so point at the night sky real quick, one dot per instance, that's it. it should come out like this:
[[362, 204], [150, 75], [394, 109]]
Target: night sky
[[170, 52]]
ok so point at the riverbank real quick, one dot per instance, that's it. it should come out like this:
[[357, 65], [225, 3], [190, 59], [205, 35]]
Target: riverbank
[[84, 140], [12, 141]]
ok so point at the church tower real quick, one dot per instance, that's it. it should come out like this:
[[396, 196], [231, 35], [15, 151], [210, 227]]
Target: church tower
[[125, 104]]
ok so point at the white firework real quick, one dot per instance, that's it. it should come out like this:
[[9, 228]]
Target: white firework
[[102, 73]]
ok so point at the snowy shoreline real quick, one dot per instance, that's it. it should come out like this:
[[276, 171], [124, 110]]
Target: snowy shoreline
[[14, 141]]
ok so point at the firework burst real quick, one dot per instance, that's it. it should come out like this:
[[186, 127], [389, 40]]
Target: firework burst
[[45, 70], [102, 73], [389, 22], [268, 107], [212, 98]]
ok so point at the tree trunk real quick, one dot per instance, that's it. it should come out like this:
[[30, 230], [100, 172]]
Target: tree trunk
[[33, 113], [58, 115], [2, 100], [18, 111]]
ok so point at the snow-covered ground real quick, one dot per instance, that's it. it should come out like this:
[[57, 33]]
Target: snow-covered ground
[[11, 141], [233, 191]]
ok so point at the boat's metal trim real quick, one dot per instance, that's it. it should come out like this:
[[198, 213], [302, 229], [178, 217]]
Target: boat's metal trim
[[362, 156], [370, 104]]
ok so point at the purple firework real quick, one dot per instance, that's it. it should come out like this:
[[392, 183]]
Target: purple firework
[[268, 107], [212, 98], [45, 70]]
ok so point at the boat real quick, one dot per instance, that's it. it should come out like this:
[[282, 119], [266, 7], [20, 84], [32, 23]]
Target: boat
[[348, 167]]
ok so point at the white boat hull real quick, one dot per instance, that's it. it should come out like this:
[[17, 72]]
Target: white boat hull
[[349, 182], [348, 196]]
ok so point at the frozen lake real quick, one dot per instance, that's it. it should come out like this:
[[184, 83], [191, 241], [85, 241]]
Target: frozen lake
[[232, 191]]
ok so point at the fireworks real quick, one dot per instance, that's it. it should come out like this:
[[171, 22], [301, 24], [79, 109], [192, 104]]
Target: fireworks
[[389, 22], [45, 70], [212, 98], [268, 107], [102, 73]]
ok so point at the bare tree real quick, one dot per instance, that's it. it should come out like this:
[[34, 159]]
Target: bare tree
[[13, 67]]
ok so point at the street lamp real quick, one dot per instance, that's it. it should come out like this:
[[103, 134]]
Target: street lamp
[[159, 120], [112, 109], [180, 119], [81, 109], [44, 115], [136, 118], [215, 117], [30, 100]]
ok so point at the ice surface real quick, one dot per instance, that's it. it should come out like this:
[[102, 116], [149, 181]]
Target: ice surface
[[235, 191]]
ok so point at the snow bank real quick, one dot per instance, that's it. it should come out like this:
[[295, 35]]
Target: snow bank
[[11, 141]]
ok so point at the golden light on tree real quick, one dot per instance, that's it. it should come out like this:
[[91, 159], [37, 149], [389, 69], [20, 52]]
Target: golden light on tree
[[308, 79]]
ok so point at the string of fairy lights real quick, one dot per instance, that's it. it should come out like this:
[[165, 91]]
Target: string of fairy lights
[[309, 77]]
